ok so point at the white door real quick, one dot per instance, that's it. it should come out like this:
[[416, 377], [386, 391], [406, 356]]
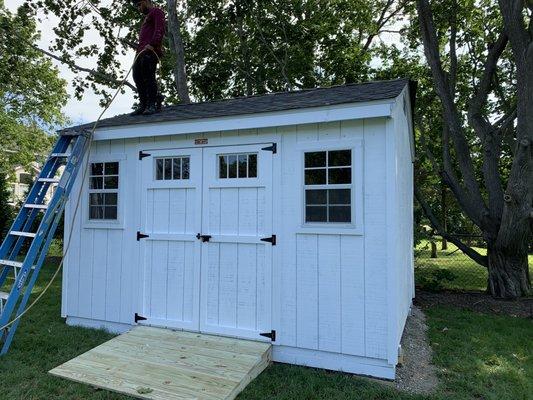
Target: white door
[[171, 217], [236, 278]]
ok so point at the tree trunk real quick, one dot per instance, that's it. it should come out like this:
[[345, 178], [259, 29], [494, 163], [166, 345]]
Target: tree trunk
[[508, 273], [433, 250], [444, 206], [180, 72]]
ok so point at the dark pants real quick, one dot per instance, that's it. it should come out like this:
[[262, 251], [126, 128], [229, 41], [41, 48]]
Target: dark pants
[[144, 76]]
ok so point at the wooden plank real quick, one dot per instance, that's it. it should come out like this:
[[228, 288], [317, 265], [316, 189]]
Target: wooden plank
[[151, 363]]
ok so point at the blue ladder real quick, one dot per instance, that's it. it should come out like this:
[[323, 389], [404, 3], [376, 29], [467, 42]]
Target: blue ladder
[[69, 151]]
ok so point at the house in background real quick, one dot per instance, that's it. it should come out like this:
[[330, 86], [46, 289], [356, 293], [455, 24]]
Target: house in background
[[22, 180], [284, 217]]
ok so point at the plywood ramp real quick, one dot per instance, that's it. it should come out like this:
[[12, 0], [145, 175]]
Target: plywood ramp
[[153, 363]]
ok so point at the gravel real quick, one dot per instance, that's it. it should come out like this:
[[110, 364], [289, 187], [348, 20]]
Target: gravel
[[416, 374]]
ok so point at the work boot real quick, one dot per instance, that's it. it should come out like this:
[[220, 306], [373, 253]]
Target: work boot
[[138, 111], [151, 109]]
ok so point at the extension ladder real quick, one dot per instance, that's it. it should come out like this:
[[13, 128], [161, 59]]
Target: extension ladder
[[69, 152]]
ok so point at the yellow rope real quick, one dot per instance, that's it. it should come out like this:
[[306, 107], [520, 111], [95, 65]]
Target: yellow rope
[[54, 276]]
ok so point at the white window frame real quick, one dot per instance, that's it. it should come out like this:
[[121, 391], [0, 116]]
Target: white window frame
[[172, 158], [356, 224], [105, 223]]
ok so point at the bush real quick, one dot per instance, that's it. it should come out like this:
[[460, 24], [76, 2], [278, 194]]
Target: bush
[[435, 280], [6, 213]]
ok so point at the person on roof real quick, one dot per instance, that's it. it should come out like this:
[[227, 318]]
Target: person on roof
[[149, 52]]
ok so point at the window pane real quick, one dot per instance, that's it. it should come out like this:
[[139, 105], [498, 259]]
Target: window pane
[[97, 169], [340, 214], [168, 169], [111, 199], [339, 196], [185, 167], [316, 214], [96, 212], [96, 199], [110, 212], [315, 177], [339, 175], [315, 159], [316, 196], [111, 182], [97, 183], [252, 166], [340, 158], [243, 166], [176, 168], [111, 168], [159, 169], [232, 162], [222, 167]]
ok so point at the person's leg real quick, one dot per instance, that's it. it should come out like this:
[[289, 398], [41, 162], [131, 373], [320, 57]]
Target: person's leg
[[150, 69], [138, 78]]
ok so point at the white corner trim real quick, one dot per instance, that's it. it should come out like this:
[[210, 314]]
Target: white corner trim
[[341, 112]]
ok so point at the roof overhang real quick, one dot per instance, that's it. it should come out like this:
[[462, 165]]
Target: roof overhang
[[338, 112]]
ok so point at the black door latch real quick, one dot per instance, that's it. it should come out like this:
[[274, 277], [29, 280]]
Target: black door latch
[[203, 238]]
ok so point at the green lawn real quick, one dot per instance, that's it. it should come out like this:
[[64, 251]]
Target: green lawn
[[465, 273], [480, 356]]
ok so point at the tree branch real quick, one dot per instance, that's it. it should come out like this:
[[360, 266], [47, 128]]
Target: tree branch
[[474, 255], [97, 74], [450, 113]]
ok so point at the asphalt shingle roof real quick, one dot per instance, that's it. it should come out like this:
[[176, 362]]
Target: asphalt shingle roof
[[351, 93]]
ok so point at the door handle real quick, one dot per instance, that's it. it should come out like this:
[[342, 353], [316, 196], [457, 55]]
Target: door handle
[[203, 238]]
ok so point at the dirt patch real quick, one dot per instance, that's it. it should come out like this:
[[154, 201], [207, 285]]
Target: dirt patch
[[416, 374], [476, 301]]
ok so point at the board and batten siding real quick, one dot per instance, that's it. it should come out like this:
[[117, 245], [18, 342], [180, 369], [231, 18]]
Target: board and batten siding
[[333, 286]]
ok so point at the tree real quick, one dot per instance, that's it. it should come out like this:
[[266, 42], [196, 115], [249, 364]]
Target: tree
[[487, 136], [5, 209], [31, 92]]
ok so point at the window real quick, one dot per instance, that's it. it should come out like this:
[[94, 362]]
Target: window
[[237, 166], [103, 191], [173, 168], [328, 186]]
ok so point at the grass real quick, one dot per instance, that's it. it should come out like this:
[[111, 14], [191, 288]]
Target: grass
[[464, 273], [479, 356]]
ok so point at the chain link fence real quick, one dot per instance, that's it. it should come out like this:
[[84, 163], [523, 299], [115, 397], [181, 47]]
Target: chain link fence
[[442, 266]]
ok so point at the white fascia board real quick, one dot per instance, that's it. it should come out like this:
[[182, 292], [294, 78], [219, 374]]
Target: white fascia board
[[382, 108]]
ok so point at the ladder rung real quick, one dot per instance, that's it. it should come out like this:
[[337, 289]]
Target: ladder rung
[[40, 206], [26, 234], [4, 295], [60, 155], [11, 263], [49, 180]]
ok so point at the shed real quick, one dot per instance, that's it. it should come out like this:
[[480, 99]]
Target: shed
[[284, 217]]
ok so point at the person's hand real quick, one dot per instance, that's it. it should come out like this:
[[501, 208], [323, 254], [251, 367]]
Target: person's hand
[[149, 47]]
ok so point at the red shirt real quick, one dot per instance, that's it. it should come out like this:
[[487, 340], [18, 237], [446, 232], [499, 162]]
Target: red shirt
[[152, 31]]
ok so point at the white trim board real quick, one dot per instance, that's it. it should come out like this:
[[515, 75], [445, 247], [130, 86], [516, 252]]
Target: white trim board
[[112, 327], [341, 112]]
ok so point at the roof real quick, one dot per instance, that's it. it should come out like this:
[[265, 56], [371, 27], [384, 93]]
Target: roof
[[307, 98]]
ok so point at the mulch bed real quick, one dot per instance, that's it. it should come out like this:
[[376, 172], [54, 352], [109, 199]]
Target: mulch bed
[[476, 301]]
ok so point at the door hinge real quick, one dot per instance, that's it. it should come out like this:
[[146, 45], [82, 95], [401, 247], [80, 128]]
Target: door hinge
[[139, 318], [271, 335], [271, 239], [141, 236], [273, 148], [203, 238], [142, 155]]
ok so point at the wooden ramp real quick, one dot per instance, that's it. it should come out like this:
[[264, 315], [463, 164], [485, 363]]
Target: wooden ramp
[[152, 363]]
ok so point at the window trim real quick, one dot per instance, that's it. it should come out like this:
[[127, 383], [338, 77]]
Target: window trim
[[105, 223], [356, 225]]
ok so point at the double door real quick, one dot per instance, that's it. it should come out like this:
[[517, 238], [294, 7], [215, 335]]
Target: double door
[[206, 265]]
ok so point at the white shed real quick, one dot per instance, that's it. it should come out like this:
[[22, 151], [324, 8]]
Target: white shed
[[284, 217]]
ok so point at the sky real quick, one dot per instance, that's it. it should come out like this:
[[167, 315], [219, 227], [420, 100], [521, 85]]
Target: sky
[[88, 108]]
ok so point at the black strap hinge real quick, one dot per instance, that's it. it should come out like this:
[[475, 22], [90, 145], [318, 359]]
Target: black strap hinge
[[143, 155], [203, 238], [273, 148], [141, 236], [271, 239], [139, 318], [271, 335]]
